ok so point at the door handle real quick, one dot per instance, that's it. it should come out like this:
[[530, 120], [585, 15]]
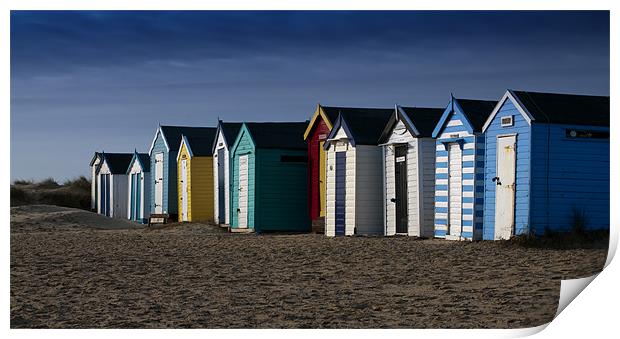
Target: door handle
[[496, 181], [393, 200]]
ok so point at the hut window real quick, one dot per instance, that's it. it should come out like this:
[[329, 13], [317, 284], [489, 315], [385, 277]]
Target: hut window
[[294, 158], [507, 121], [586, 134]]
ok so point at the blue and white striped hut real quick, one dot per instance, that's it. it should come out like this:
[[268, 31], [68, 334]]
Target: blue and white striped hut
[[547, 164], [459, 173]]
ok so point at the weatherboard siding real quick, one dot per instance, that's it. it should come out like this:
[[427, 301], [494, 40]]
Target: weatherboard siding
[[350, 185], [245, 146], [281, 191], [368, 190], [314, 166], [221, 144], [160, 147], [568, 175], [523, 148], [472, 183]]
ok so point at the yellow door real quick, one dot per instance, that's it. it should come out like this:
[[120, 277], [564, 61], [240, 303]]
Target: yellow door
[[322, 178]]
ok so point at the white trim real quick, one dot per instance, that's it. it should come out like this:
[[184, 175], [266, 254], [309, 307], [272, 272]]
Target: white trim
[[189, 149], [404, 115], [159, 130], [508, 95]]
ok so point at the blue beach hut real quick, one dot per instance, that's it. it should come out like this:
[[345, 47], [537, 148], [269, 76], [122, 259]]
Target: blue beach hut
[[459, 172], [547, 164]]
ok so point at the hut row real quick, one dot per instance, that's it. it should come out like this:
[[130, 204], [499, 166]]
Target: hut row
[[474, 169]]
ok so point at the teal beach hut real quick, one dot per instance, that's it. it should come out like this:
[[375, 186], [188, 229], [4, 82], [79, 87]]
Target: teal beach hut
[[269, 178]]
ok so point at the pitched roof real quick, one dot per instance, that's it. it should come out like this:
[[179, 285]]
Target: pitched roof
[[424, 119], [143, 158], [173, 134], [570, 109], [200, 146], [230, 130], [96, 156], [476, 111], [365, 124], [284, 135], [117, 162]]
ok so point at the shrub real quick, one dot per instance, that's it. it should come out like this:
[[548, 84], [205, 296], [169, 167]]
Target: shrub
[[80, 183], [22, 182], [47, 183], [20, 196]]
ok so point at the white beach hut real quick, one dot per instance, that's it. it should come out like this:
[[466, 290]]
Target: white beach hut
[[409, 171]]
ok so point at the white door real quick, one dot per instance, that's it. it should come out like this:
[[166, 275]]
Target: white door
[[159, 183], [505, 187], [455, 188], [184, 212], [243, 192]]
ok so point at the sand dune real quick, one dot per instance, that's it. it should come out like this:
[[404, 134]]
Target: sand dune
[[196, 276]]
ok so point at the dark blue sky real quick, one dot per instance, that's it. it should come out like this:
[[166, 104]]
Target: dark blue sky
[[83, 81]]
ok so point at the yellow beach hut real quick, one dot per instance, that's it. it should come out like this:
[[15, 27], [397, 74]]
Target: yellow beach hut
[[195, 178]]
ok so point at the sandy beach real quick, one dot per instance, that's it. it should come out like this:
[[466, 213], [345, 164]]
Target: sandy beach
[[76, 269]]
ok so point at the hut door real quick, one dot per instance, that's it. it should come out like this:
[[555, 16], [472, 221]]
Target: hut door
[[221, 187], [341, 196], [400, 173], [242, 212], [322, 179], [105, 197], [505, 187], [159, 183], [132, 197], [455, 189], [184, 192]]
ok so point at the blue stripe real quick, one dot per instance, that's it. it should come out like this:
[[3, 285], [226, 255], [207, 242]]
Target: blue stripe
[[468, 235], [442, 153], [467, 223], [468, 164], [469, 151], [441, 222], [442, 165], [441, 187], [440, 233], [467, 200], [441, 210], [441, 198], [441, 175], [478, 225], [468, 176], [468, 188], [467, 211]]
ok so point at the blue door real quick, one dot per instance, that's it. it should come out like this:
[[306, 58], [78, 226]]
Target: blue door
[[138, 196], [105, 194], [341, 175], [221, 187]]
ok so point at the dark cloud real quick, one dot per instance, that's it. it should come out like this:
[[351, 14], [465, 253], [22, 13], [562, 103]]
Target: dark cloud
[[105, 79]]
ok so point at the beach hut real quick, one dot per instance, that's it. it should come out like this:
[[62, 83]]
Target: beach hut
[[112, 182], [269, 178], [459, 183], [163, 152], [409, 171], [95, 161], [224, 137], [195, 177], [547, 164], [354, 172], [138, 176]]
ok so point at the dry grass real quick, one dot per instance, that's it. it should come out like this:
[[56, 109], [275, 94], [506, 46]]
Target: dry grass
[[73, 193]]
